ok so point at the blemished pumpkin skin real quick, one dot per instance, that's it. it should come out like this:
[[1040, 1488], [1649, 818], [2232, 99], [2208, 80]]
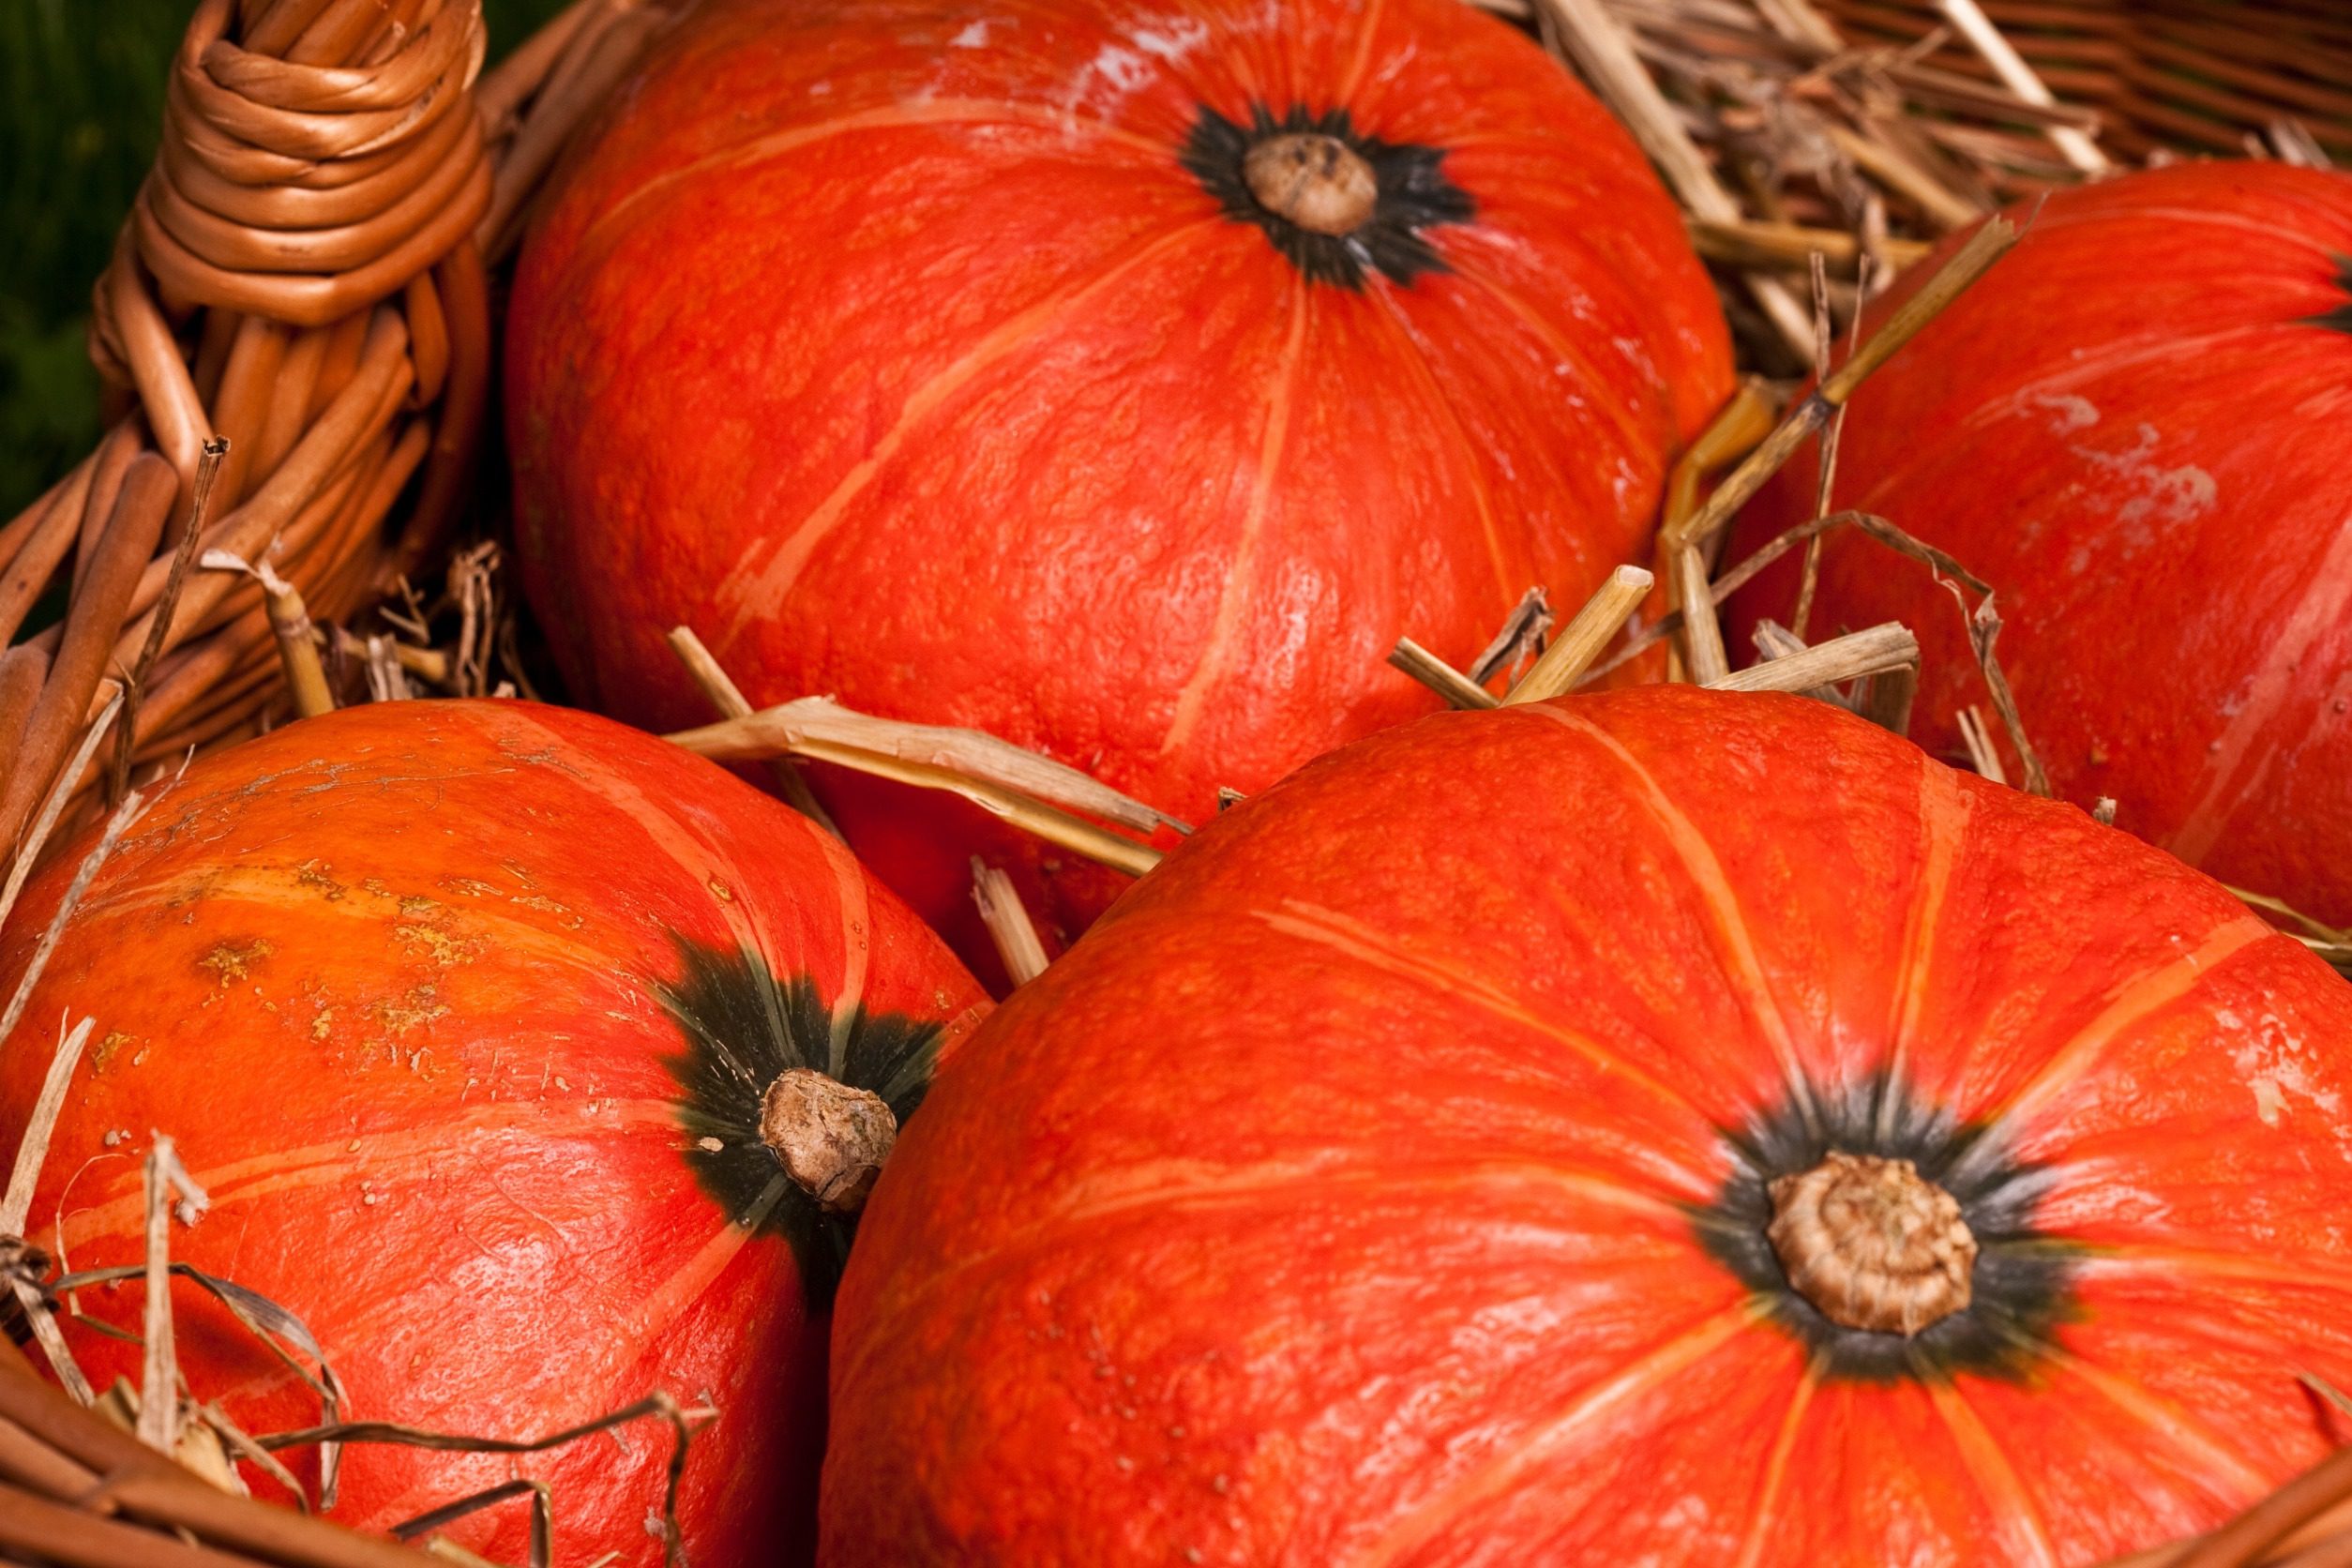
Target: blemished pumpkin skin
[[462, 1013], [2138, 429], [1384, 1181], [941, 358]]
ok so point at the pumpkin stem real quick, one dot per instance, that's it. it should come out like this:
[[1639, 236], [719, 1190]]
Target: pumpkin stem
[[1316, 181], [1873, 1244], [831, 1139]]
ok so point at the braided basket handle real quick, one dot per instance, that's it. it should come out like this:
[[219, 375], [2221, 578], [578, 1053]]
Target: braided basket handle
[[302, 274]]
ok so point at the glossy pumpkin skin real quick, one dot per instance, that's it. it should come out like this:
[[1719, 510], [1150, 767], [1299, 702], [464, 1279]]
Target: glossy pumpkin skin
[[2138, 429], [934, 357], [1380, 1182], [437, 1001]]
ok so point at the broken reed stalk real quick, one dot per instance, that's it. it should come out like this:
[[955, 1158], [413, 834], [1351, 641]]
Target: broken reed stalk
[[1007, 920], [1074, 834], [2073, 144], [999, 778], [1868, 652], [37, 838], [728, 698], [1521, 637], [1606, 54], [1746, 243], [1603, 616], [1982, 756], [1983, 626], [1703, 655], [290, 625], [1892, 694], [1969, 264], [787, 726], [16, 1209], [132, 808], [1774, 640], [159, 1380], [1744, 419], [1809, 577], [1458, 690]]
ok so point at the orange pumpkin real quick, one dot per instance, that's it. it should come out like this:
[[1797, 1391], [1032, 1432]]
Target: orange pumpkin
[[1665, 1126], [2136, 430], [1121, 379], [466, 1014]]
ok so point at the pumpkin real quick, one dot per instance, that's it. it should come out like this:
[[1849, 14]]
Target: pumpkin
[[466, 1016], [1120, 379], [2136, 430], [1665, 1126]]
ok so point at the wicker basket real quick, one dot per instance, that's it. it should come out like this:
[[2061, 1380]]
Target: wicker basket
[[2187, 75], [307, 274]]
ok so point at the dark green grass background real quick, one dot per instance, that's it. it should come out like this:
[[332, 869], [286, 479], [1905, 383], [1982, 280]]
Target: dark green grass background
[[80, 99]]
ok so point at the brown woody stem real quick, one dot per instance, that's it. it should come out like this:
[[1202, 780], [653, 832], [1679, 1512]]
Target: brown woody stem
[[1873, 1244], [831, 1139], [1317, 181]]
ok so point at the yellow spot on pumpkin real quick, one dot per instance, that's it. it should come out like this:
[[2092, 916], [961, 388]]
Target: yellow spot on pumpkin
[[313, 874], [418, 1008], [323, 1024], [432, 943], [720, 891], [569, 921], [230, 963]]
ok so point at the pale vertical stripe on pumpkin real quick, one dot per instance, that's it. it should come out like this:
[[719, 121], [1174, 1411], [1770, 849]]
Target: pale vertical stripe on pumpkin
[[645, 1320], [2175, 1428], [281, 887], [669, 1300], [1637, 445], [2323, 604], [1442, 416], [855, 909], [1337, 932], [1351, 82], [1943, 814], [2154, 988], [1764, 1514], [1195, 1187], [1650, 1370], [387, 1158], [2160, 1258], [687, 848], [1217, 654], [1742, 964], [934, 113], [1995, 1478], [762, 589]]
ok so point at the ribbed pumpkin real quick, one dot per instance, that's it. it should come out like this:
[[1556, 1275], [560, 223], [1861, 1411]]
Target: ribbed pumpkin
[[1414, 1169], [464, 1014], [2138, 429], [1121, 379]]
